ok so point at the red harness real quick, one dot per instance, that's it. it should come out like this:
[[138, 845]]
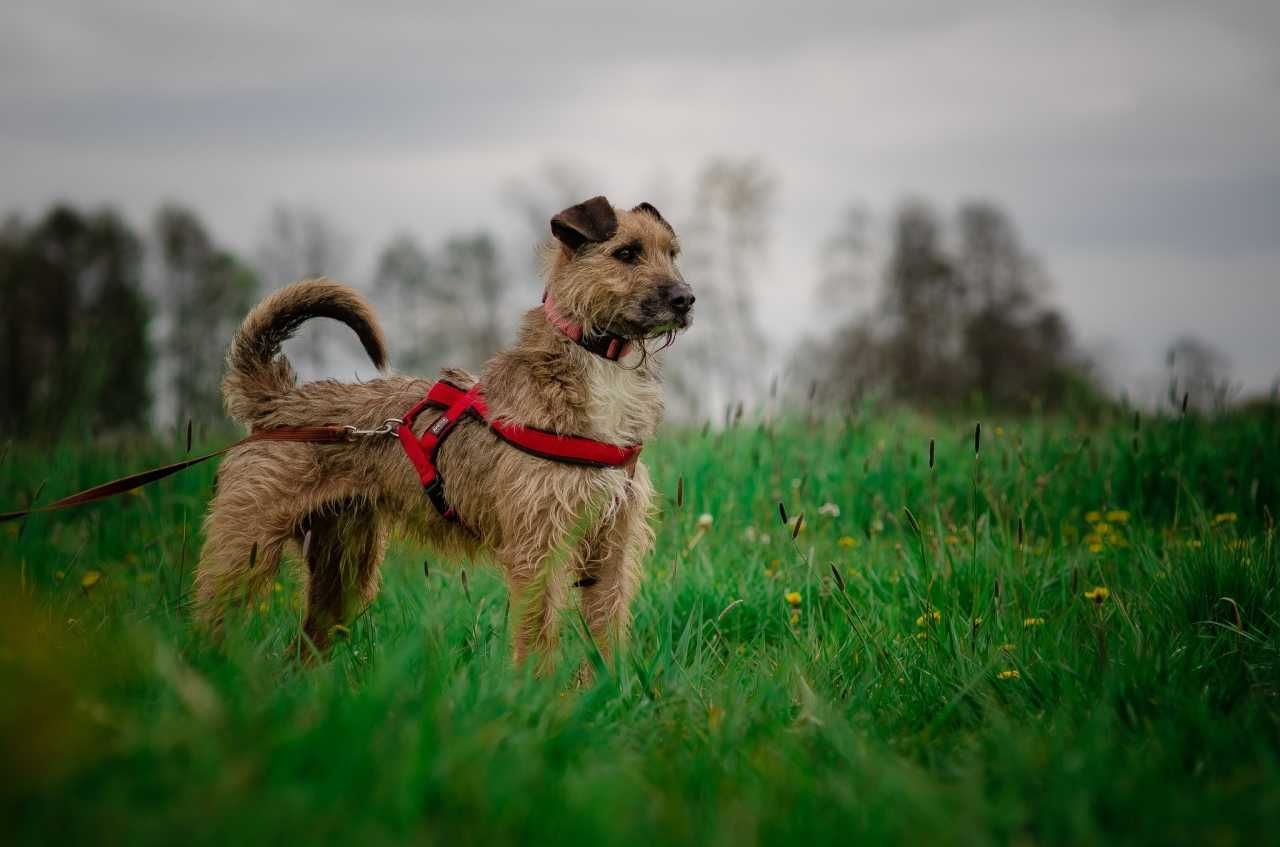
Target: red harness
[[457, 404]]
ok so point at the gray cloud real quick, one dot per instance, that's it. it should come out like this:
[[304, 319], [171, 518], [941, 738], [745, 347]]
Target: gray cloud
[[1136, 144]]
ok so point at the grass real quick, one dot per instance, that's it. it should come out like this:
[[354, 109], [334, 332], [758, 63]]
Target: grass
[[936, 676]]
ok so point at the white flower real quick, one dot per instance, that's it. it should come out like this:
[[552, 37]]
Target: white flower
[[829, 509], [750, 534], [704, 521]]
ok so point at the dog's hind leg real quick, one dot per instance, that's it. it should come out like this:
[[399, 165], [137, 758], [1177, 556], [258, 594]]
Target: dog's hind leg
[[240, 557], [343, 547]]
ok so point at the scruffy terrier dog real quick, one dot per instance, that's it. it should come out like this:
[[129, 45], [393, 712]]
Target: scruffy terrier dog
[[580, 367]]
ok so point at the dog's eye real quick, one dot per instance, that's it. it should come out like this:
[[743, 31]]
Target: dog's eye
[[626, 254]]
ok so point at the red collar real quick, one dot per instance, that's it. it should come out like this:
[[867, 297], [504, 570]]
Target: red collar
[[603, 344]]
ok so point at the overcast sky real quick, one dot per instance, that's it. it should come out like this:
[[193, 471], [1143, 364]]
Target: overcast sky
[[1137, 145]]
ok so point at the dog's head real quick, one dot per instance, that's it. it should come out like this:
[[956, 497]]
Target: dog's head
[[615, 270]]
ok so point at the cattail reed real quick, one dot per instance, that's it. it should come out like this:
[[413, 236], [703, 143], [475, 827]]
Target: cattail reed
[[799, 523], [188, 435], [426, 568], [839, 580], [1186, 395], [1021, 532], [977, 439], [253, 552], [911, 519], [931, 453], [466, 585], [782, 512], [679, 492]]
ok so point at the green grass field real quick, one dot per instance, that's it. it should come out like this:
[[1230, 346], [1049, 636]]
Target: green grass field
[[947, 675]]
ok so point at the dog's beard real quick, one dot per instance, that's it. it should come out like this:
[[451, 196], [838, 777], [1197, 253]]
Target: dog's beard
[[649, 325]]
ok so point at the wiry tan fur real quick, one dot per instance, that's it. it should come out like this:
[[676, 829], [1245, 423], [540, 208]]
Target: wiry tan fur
[[546, 524]]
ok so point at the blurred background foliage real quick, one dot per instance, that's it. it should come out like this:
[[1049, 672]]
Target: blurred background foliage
[[113, 327]]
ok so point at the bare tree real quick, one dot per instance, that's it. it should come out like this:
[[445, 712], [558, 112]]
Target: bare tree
[[301, 243], [1198, 371], [726, 246], [453, 307], [958, 324], [203, 293], [845, 259]]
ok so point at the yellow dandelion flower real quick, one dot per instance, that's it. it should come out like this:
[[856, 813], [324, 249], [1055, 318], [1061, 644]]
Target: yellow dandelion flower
[[59, 575], [1093, 538], [1093, 517], [1033, 622], [1102, 528], [1118, 516], [924, 619], [1225, 517], [1098, 594], [90, 579], [847, 541], [1009, 674], [793, 598], [1095, 548]]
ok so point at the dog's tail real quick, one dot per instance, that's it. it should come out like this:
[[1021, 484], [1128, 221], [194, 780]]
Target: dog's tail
[[256, 372]]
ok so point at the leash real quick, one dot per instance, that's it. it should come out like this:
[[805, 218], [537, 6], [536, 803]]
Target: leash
[[456, 404], [301, 434]]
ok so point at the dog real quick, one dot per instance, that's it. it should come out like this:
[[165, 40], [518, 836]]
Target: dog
[[611, 275]]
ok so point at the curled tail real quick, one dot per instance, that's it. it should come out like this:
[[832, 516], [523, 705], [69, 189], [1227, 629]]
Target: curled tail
[[256, 372]]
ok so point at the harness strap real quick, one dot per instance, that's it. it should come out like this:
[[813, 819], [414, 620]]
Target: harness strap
[[459, 403], [422, 451]]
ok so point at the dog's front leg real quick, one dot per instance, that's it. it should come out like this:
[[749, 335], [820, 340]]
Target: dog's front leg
[[537, 579], [610, 570]]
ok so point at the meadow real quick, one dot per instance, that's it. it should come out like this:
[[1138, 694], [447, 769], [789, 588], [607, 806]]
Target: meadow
[[878, 629]]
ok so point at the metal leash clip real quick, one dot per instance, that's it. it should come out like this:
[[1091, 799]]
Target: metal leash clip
[[389, 427]]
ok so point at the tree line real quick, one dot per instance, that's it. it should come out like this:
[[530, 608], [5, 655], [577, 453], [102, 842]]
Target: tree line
[[110, 328]]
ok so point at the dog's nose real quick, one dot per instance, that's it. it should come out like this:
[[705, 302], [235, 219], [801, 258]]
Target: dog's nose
[[680, 296]]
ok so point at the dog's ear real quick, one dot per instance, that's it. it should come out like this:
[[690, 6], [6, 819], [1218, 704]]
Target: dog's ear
[[649, 209], [591, 221]]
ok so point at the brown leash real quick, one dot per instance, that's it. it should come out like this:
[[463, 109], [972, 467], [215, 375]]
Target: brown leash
[[301, 434]]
